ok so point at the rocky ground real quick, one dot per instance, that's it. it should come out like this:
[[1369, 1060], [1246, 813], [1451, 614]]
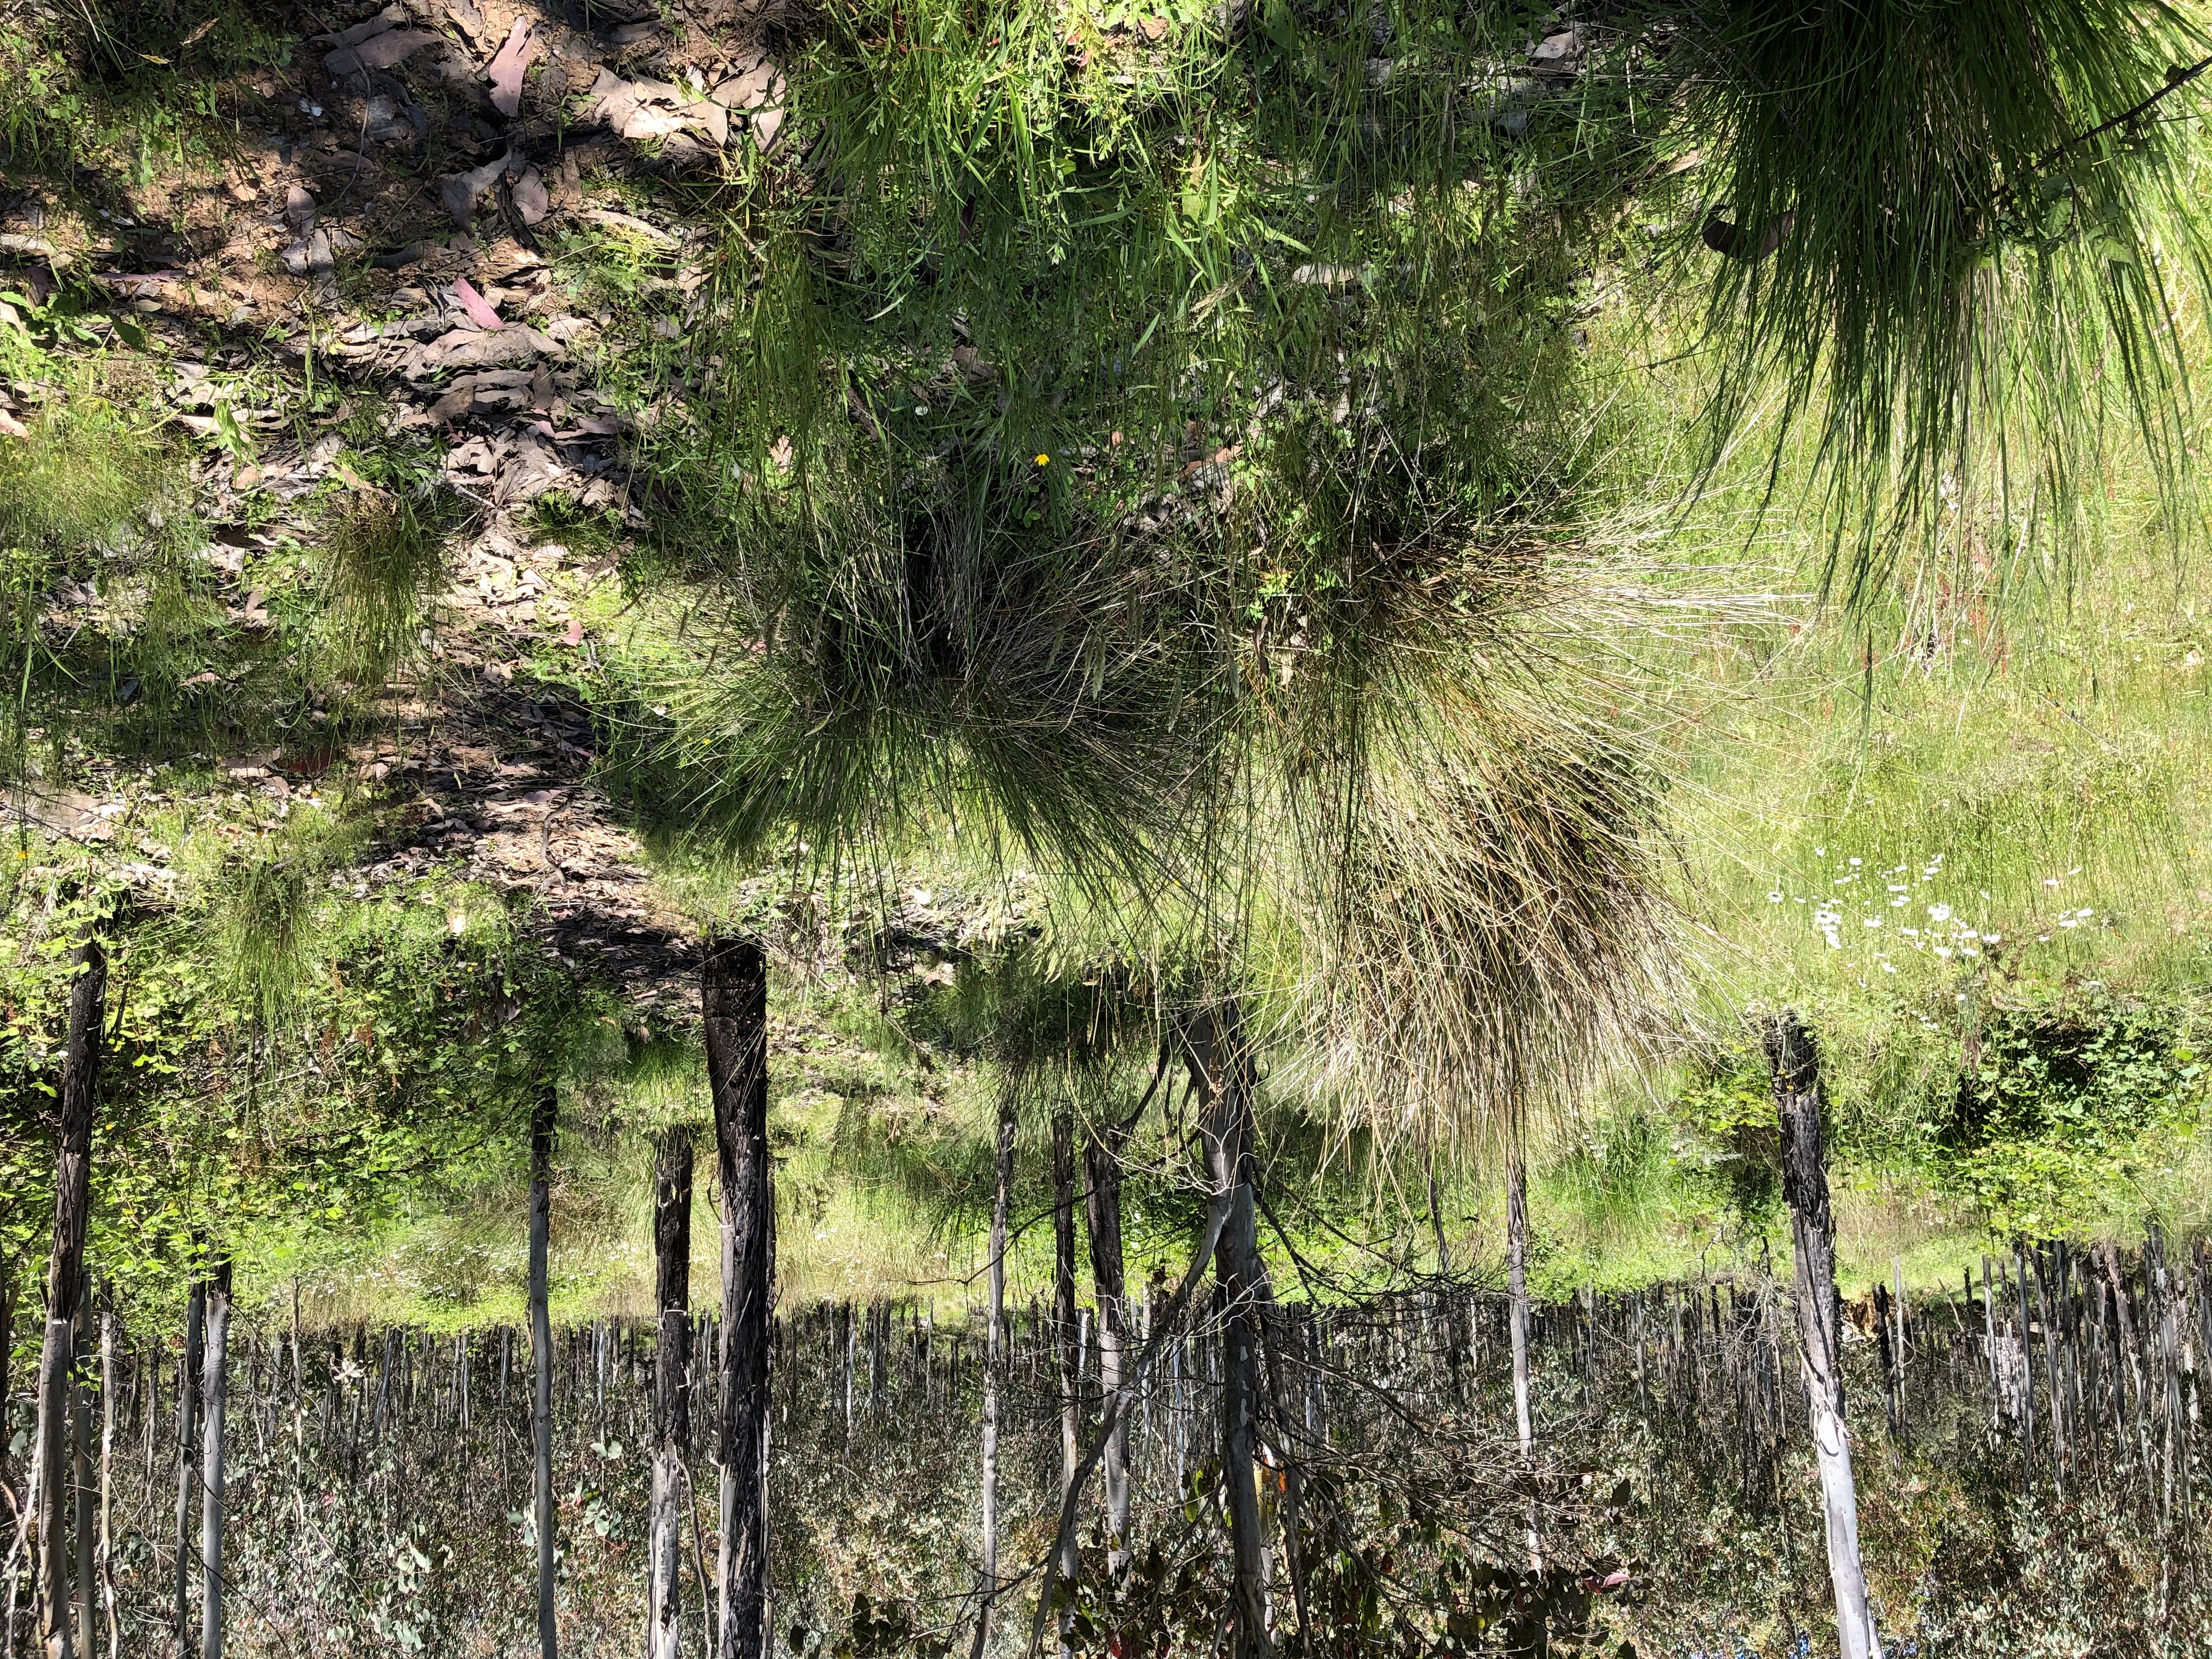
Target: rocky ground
[[386, 222]]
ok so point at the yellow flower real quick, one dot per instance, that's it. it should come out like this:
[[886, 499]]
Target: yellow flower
[[1045, 460]]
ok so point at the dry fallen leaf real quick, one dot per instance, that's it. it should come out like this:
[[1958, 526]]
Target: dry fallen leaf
[[382, 51], [508, 68], [479, 308]]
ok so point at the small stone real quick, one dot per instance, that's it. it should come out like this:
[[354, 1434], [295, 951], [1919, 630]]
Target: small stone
[[299, 211], [528, 193]]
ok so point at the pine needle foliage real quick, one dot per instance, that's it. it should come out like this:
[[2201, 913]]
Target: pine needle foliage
[[266, 911], [1491, 929], [1149, 454], [96, 517], [1153, 444], [1976, 219]]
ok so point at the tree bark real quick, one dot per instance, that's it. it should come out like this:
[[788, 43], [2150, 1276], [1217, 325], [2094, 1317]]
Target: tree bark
[[994, 1361], [544, 1115], [188, 1432], [1101, 1161], [1795, 1058], [733, 997], [88, 1005], [213, 1380], [672, 1394], [1221, 1076]]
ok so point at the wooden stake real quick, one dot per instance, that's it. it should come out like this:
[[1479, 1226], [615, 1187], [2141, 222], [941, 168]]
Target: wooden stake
[[1794, 1060]]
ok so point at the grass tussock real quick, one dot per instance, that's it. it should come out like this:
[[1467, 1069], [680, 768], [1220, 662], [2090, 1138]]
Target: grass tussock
[[386, 555]]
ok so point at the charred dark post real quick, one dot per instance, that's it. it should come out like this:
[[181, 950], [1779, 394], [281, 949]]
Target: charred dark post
[[1067, 1334], [2035, 1277], [734, 997], [1454, 1336], [1517, 1273], [7, 1338], [1795, 1058], [88, 1005], [214, 1387], [544, 1117], [994, 1366], [671, 1394], [188, 1429], [1892, 1386], [83, 1556], [1102, 1163], [2026, 1366], [1221, 1076]]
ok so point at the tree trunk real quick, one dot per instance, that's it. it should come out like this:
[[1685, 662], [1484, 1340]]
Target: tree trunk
[[213, 1382], [1221, 1076], [734, 1000], [1067, 1331], [672, 1394], [87, 1004], [1101, 1161], [1795, 1058], [188, 1432], [544, 1114], [994, 1361]]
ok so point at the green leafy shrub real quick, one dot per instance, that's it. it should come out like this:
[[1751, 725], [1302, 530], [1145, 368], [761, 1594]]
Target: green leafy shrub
[[1735, 1141], [2060, 1102]]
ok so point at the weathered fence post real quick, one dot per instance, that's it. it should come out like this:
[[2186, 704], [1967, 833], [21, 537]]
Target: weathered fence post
[[994, 1366], [88, 1003], [1517, 1273], [672, 1394], [544, 1114], [1067, 1334], [1221, 1077], [733, 999], [81, 1478], [214, 1384], [1795, 1058], [1102, 1158]]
